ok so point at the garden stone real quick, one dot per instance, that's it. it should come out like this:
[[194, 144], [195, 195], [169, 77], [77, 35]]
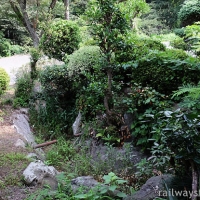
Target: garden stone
[[85, 181], [33, 156], [77, 125], [21, 123], [128, 119], [153, 188], [37, 173], [118, 158], [20, 143]]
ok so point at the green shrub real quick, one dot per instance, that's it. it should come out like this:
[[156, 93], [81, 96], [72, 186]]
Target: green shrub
[[56, 82], [62, 37], [165, 71], [134, 47], [4, 80], [180, 32], [189, 12], [192, 37], [59, 94], [4, 46], [179, 43], [16, 49], [83, 60], [23, 89]]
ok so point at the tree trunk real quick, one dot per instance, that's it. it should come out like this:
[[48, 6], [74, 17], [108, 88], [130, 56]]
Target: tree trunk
[[108, 95], [194, 180], [27, 23], [66, 2]]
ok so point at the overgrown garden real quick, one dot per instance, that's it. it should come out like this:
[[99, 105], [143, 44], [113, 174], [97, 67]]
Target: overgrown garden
[[115, 63]]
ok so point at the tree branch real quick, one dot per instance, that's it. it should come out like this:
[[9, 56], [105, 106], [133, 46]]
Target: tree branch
[[52, 5]]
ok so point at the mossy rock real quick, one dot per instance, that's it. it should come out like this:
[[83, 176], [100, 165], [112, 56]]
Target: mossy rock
[[4, 80]]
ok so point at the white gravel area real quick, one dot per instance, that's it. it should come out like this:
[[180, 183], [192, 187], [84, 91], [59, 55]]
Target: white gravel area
[[12, 64]]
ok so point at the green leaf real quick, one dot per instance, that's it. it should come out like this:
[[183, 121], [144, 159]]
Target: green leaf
[[121, 181], [121, 194], [99, 135], [112, 188], [80, 196]]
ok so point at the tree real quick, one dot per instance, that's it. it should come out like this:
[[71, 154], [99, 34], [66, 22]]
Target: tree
[[30, 19], [189, 12], [66, 2], [109, 25], [59, 38]]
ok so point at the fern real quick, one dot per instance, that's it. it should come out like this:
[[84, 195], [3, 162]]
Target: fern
[[192, 91]]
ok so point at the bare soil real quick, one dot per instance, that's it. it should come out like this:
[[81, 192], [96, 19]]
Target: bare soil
[[12, 163]]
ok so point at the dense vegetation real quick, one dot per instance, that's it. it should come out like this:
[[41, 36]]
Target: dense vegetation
[[115, 63]]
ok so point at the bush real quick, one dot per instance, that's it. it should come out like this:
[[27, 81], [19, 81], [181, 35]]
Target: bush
[[83, 60], [192, 37], [135, 47], [4, 46], [62, 37], [16, 49], [4, 80], [23, 89], [179, 43], [190, 12], [56, 82], [165, 71], [180, 32]]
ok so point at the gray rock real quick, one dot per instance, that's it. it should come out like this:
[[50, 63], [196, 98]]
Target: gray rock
[[113, 158], [153, 188], [77, 125], [20, 143], [33, 156], [20, 121], [86, 181], [128, 119], [38, 173]]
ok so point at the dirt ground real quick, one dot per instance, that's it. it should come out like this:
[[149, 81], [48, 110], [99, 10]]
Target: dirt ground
[[12, 162]]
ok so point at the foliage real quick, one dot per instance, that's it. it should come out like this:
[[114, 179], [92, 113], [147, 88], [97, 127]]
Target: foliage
[[99, 192], [161, 18], [180, 31], [192, 37], [132, 9], [60, 38], [56, 82], [23, 89], [16, 49], [135, 47], [158, 69], [83, 61], [4, 80], [35, 56], [59, 96], [90, 98], [4, 46], [147, 103], [145, 171], [189, 12], [179, 43], [190, 97], [112, 183], [61, 152]]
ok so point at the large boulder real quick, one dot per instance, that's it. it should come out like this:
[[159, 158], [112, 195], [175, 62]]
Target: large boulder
[[154, 187], [37, 173]]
